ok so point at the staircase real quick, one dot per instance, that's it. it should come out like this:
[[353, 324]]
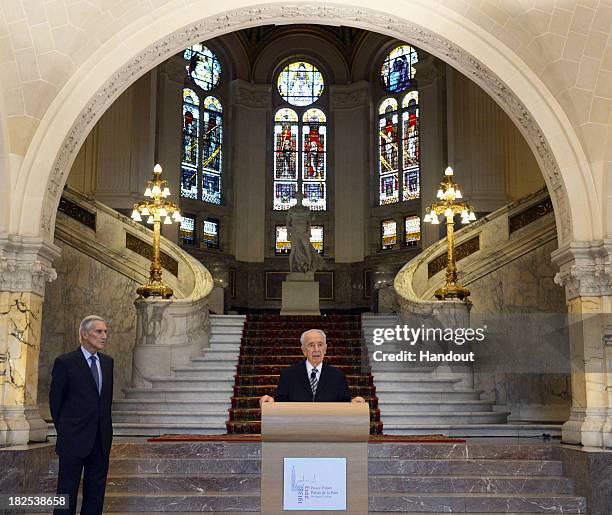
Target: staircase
[[416, 401], [272, 342], [403, 478], [195, 399]]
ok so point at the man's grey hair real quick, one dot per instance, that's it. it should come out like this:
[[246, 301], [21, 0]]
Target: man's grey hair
[[311, 330], [87, 322]]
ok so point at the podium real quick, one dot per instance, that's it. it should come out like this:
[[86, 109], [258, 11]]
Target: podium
[[314, 457]]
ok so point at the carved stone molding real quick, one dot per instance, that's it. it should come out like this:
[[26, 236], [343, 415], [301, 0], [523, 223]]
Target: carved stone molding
[[350, 97], [279, 14], [251, 95], [428, 70], [585, 269], [174, 69], [25, 264]]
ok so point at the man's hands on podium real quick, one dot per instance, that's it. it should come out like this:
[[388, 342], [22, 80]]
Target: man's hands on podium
[[265, 398]]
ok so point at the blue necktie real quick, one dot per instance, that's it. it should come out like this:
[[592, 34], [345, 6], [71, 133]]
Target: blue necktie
[[94, 372]]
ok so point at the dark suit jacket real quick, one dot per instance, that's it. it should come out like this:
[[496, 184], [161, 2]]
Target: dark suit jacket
[[294, 385], [76, 408]]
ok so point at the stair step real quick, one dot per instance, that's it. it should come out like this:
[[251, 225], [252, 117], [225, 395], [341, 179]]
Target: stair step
[[467, 430], [221, 374], [161, 405], [209, 384], [399, 407], [483, 467], [447, 417], [426, 396], [184, 394], [471, 484], [181, 501], [158, 429], [477, 503], [217, 418]]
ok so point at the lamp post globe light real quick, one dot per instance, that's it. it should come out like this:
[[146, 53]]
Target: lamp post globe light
[[449, 205], [154, 207]]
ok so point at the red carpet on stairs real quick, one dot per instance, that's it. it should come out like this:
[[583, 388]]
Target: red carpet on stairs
[[271, 342]]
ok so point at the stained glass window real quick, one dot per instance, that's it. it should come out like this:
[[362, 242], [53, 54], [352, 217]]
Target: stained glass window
[[389, 234], [412, 228], [211, 188], [189, 182], [411, 146], [397, 72], [316, 237], [389, 189], [300, 140], [204, 67], [187, 230], [210, 234], [313, 137], [391, 146], [284, 195], [213, 134], [300, 83], [190, 146], [388, 151], [191, 127], [202, 147], [314, 195], [283, 245], [285, 145]]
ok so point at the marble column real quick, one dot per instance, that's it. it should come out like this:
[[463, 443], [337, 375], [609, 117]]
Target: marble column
[[586, 274], [350, 169], [170, 83], [430, 76], [251, 123], [25, 267]]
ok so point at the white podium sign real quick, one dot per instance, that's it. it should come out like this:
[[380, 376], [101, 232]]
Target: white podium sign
[[315, 484]]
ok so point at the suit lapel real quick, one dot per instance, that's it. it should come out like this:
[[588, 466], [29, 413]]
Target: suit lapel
[[323, 380], [84, 366], [304, 379], [106, 379]]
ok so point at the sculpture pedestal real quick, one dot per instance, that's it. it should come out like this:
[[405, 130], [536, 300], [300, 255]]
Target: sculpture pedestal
[[300, 295]]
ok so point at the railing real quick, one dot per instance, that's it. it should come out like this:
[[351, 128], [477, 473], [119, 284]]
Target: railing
[[482, 246], [168, 332]]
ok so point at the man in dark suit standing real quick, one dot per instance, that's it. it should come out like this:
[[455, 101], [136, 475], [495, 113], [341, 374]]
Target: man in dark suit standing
[[80, 400], [312, 380]]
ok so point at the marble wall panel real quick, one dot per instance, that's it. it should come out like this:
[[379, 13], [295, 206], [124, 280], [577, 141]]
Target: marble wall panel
[[520, 372], [590, 470], [83, 287], [22, 466]]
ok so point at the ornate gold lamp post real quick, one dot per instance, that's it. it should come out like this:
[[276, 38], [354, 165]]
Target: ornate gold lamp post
[[154, 207], [448, 206]]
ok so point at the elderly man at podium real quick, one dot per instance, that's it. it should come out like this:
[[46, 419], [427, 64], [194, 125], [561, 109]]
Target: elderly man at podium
[[312, 380]]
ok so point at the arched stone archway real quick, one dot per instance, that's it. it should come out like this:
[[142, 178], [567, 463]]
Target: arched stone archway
[[148, 38], [453, 38]]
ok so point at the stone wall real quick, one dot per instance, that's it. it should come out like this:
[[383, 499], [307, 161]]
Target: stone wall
[[524, 366], [85, 286]]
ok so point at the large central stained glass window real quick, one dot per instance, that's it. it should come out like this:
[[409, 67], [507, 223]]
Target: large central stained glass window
[[202, 147], [300, 139]]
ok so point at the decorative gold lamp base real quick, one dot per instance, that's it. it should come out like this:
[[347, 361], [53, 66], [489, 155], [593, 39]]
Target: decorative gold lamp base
[[155, 290], [452, 291]]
